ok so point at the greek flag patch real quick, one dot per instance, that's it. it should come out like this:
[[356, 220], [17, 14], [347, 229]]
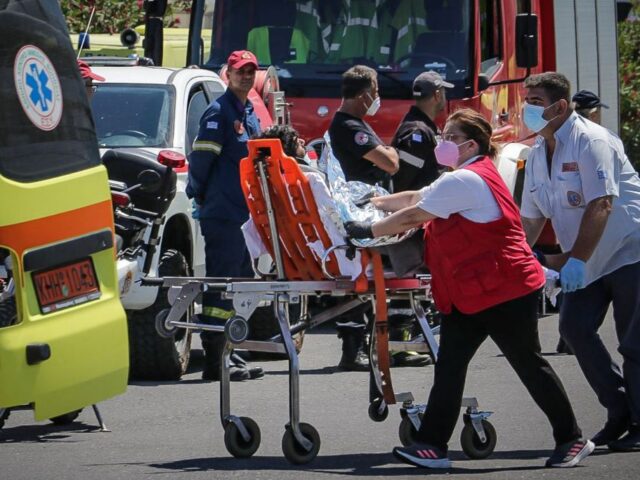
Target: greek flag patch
[[602, 175], [416, 137], [212, 125]]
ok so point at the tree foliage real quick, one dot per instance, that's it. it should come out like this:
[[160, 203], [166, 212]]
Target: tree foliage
[[629, 72], [113, 16]]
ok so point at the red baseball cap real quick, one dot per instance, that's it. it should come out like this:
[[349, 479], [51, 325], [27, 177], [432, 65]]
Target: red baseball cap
[[86, 72], [240, 58]]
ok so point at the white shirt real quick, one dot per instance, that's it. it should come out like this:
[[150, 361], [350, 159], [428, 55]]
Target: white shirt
[[588, 163], [461, 191]]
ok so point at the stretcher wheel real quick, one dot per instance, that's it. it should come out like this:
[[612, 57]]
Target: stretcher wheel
[[164, 330], [65, 418], [236, 445], [472, 446], [407, 432], [374, 411], [236, 329], [296, 453]]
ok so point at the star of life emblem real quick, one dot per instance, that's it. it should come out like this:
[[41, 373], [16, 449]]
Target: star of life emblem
[[38, 87]]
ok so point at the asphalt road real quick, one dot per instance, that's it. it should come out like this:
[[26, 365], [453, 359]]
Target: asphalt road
[[172, 430]]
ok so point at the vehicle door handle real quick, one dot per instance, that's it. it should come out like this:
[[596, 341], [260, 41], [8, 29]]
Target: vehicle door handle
[[38, 352]]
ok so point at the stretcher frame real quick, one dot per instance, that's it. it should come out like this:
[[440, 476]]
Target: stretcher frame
[[286, 217]]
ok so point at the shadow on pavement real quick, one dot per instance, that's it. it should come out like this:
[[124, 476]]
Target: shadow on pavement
[[45, 433], [366, 464]]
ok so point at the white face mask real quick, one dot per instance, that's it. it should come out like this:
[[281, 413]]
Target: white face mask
[[374, 107]]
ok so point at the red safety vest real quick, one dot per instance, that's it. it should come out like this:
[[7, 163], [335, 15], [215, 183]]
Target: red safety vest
[[475, 266]]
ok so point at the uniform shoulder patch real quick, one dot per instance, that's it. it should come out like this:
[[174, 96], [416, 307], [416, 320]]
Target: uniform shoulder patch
[[416, 137], [212, 125], [361, 138]]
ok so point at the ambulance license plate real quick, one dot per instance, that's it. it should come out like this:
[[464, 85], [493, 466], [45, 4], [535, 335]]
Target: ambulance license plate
[[66, 286]]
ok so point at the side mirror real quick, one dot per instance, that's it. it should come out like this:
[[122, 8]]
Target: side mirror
[[526, 40], [149, 180], [483, 82]]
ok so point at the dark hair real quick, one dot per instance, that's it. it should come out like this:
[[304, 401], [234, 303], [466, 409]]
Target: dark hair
[[475, 127], [356, 80], [288, 137], [556, 85]]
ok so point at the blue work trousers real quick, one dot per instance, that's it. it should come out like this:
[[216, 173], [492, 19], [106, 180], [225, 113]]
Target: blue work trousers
[[581, 315], [226, 255]]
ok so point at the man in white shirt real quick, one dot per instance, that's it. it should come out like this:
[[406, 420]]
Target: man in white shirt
[[578, 175]]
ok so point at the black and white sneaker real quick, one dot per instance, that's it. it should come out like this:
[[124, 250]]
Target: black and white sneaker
[[570, 454], [422, 455]]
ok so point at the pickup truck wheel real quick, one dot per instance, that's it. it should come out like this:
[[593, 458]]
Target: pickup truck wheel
[[153, 357]]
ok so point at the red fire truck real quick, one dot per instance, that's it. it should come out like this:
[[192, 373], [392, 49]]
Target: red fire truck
[[486, 48]]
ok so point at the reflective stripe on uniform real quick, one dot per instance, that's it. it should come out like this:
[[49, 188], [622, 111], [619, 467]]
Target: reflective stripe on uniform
[[216, 312], [415, 21], [411, 159], [204, 145]]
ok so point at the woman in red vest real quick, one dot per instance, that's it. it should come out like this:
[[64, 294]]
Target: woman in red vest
[[485, 281]]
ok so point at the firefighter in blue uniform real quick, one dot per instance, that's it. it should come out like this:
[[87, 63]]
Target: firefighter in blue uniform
[[214, 185]]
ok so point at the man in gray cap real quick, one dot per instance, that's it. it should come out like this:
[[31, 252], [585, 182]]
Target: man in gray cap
[[415, 137], [415, 140], [589, 105]]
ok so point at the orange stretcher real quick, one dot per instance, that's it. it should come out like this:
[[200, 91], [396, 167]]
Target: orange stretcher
[[284, 211]]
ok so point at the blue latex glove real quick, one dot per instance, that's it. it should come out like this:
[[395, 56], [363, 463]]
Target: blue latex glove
[[572, 275], [195, 210]]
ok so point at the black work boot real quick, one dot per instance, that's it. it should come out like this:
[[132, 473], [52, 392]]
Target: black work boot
[[400, 330], [354, 357], [213, 344]]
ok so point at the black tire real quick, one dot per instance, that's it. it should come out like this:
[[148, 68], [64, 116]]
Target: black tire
[[374, 411], [296, 453], [407, 432], [236, 445], [65, 418], [8, 312], [471, 444], [151, 356], [4, 414]]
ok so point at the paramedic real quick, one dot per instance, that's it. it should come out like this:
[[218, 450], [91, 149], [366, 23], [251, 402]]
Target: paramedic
[[363, 157], [588, 105], [214, 184], [485, 281], [579, 176]]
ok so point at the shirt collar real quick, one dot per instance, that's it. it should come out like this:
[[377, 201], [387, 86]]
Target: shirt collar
[[562, 133], [416, 113], [470, 161], [248, 106]]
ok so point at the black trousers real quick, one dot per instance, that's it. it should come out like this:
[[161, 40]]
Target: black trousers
[[513, 326]]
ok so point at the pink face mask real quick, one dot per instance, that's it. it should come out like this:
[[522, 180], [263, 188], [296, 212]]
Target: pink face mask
[[447, 153]]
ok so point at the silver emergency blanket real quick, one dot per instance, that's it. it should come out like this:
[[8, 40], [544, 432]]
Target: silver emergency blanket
[[352, 199]]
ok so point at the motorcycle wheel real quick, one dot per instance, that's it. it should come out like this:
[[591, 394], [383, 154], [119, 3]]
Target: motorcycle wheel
[[8, 312], [153, 357]]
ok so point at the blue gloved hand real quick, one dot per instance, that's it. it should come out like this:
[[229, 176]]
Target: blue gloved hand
[[195, 210], [572, 275]]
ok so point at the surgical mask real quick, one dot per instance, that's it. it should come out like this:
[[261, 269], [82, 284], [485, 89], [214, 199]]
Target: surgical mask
[[374, 107], [447, 153], [532, 116]]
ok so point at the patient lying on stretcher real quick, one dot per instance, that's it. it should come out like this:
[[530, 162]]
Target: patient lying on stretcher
[[338, 201]]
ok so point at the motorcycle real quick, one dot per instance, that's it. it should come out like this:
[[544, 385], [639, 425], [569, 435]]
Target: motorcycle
[[142, 188]]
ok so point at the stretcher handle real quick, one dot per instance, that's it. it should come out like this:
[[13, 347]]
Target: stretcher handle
[[151, 281]]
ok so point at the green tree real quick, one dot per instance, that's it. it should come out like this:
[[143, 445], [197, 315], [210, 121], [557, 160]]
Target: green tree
[[112, 16], [629, 73]]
